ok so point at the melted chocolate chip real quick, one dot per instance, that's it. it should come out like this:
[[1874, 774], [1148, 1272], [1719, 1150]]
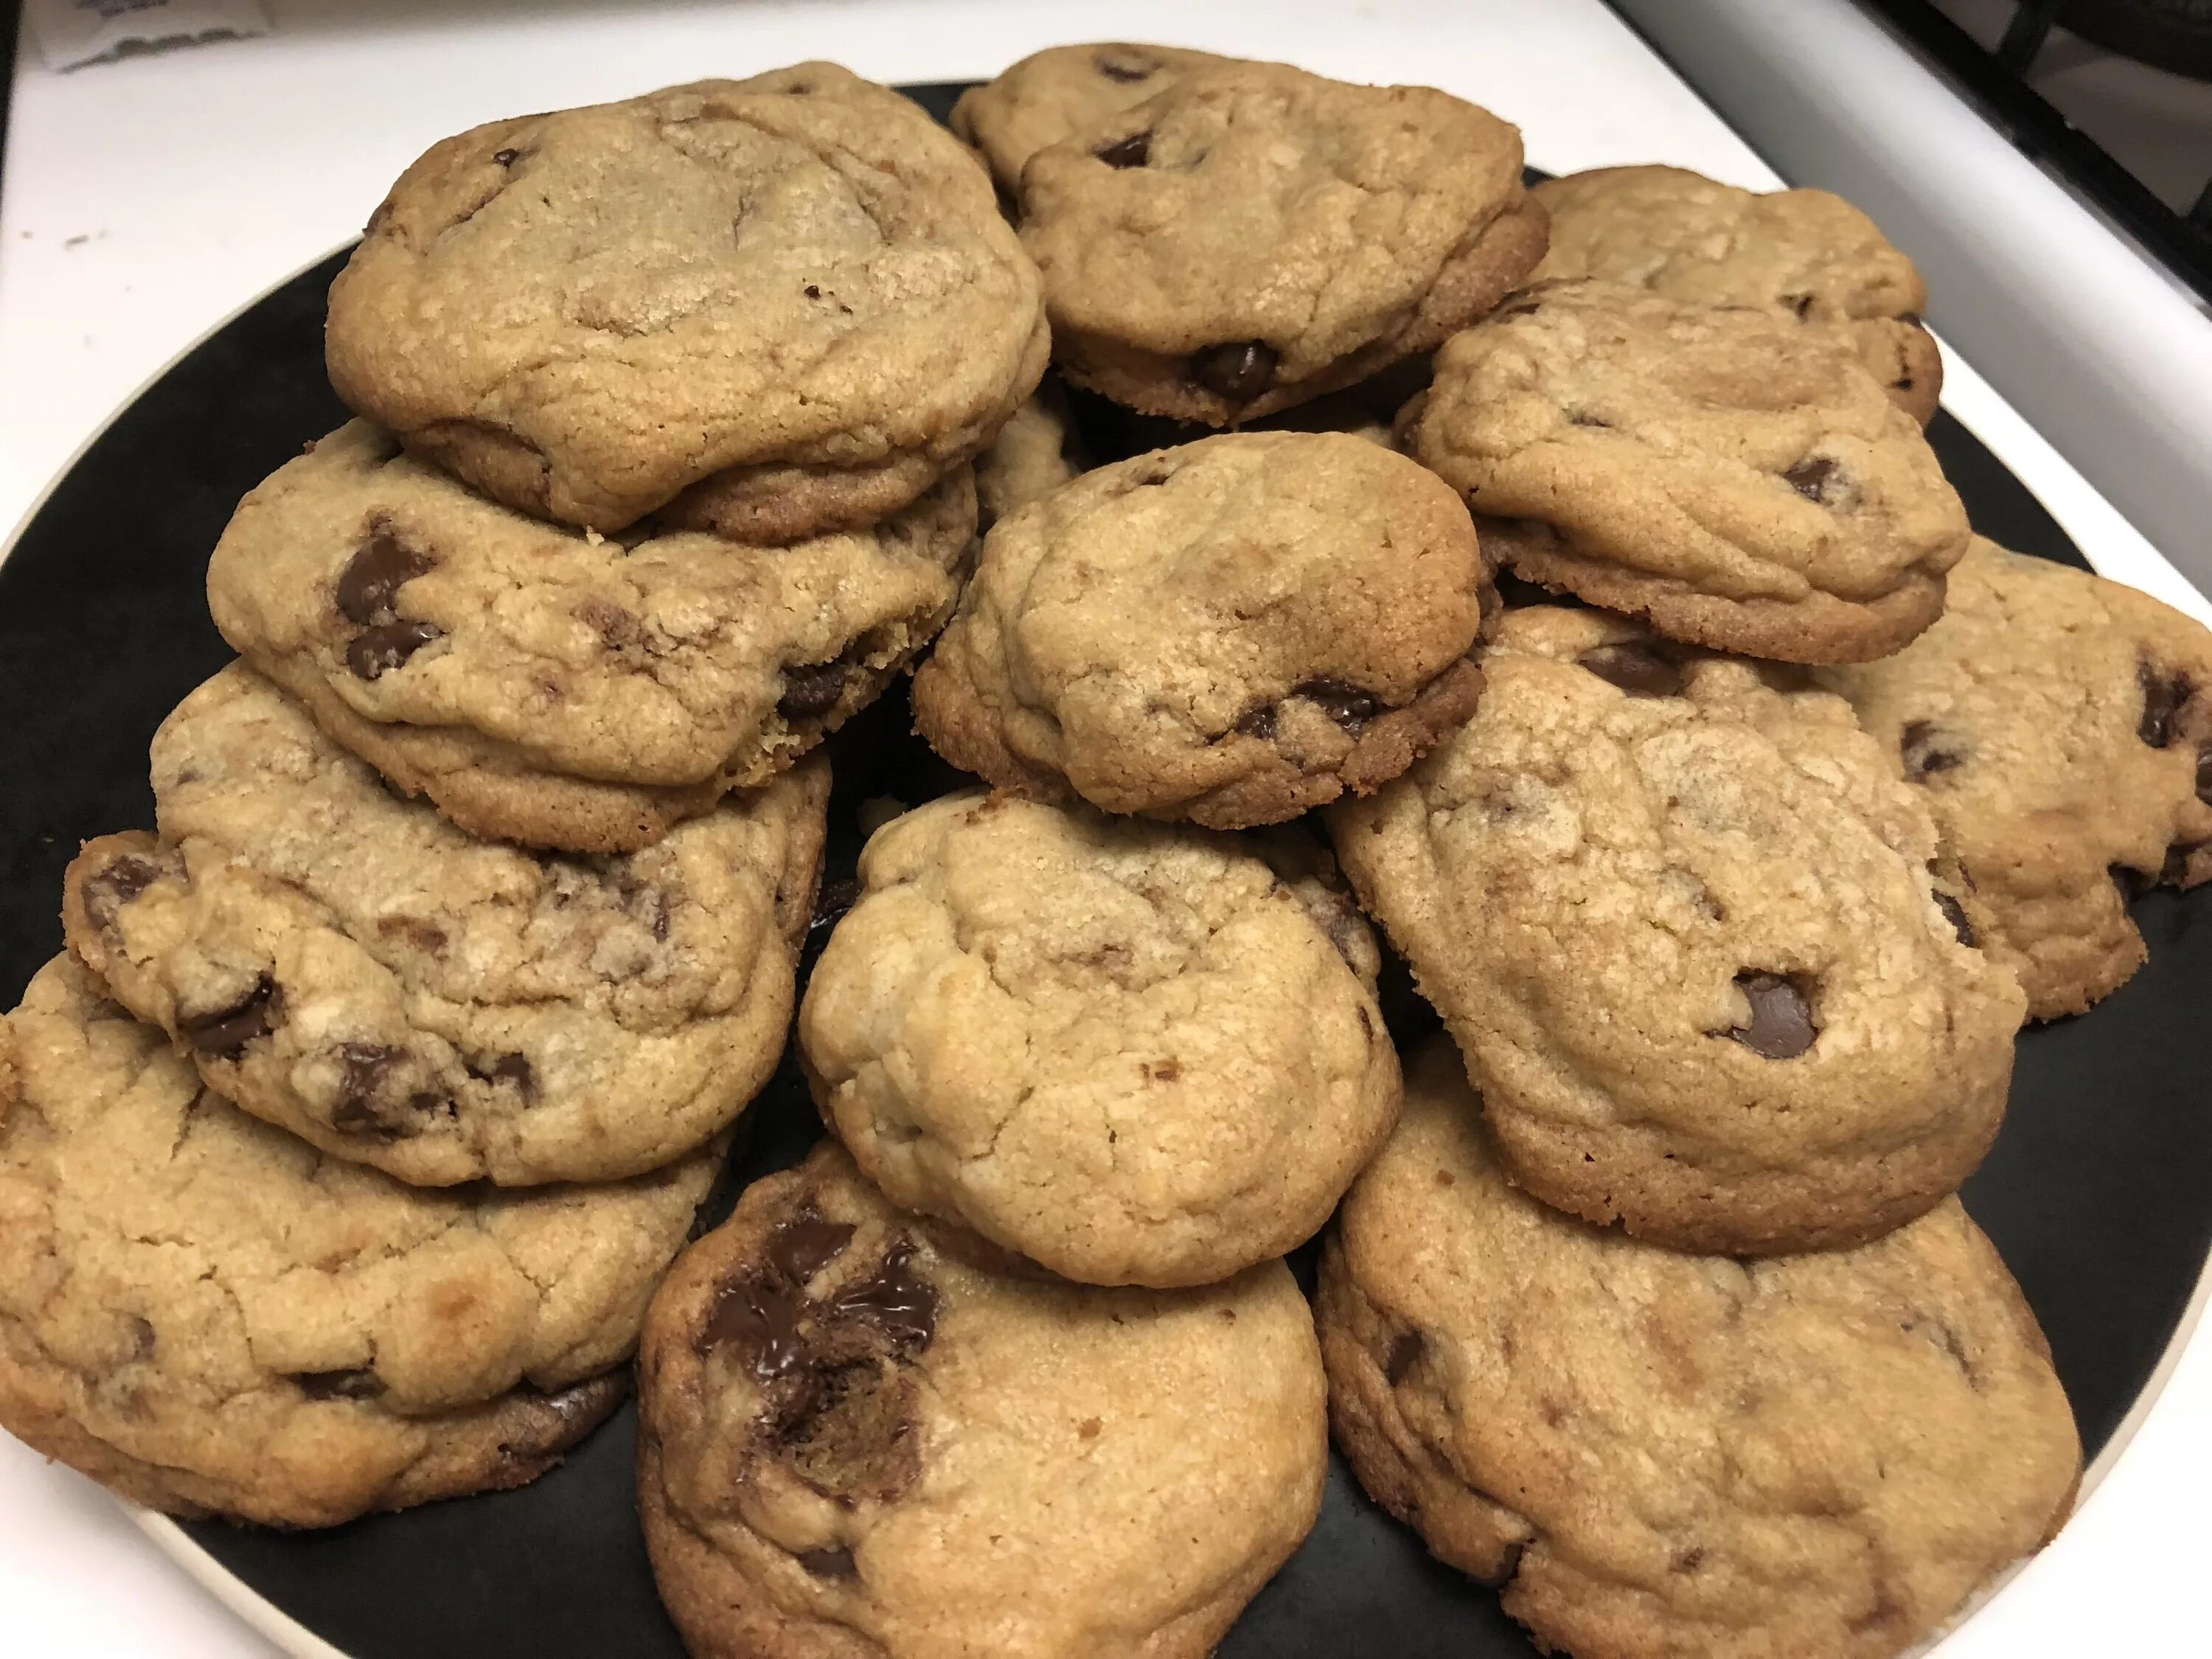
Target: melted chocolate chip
[[1260, 723], [835, 1562], [1811, 477], [2164, 694], [509, 1068], [1955, 914], [1405, 1352], [1128, 68], [1131, 152], [358, 1384], [1924, 751], [224, 1034], [813, 291], [1781, 1025], [367, 1103], [897, 1301], [812, 689], [831, 903], [1640, 668], [115, 885], [384, 647], [1239, 371], [615, 626], [759, 1318], [506, 158], [805, 1245], [1347, 705], [368, 588]]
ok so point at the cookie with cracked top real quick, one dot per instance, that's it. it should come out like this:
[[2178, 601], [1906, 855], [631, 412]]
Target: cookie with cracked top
[[1230, 632], [348, 965], [1685, 922], [1739, 480], [1806, 251], [1825, 1455], [207, 1317], [558, 688], [1254, 236], [1155, 1059], [763, 307], [1051, 95], [2058, 726], [861, 1432]]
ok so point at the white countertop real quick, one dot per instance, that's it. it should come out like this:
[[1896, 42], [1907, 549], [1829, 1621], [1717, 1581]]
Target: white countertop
[[146, 200]]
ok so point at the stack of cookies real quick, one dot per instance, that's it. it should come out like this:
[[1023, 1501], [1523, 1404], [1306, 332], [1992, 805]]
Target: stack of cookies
[[1569, 559]]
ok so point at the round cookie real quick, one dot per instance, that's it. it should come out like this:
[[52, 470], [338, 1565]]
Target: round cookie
[[349, 966], [791, 300], [1736, 478], [1053, 95], [502, 659], [2058, 726], [861, 1434], [1827, 1456], [1254, 236], [1135, 1053], [1230, 632], [1684, 928], [1805, 251], [206, 1316], [1036, 451]]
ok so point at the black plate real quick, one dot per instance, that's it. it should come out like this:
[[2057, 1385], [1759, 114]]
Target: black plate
[[2099, 1193]]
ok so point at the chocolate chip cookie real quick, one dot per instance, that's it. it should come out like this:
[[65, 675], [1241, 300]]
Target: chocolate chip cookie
[[1737, 478], [1053, 95], [2058, 725], [783, 304], [207, 1317], [1252, 236], [1825, 1455], [1229, 632], [1153, 1057], [1036, 451], [348, 965], [1684, 927], [558, 688], [864, 1433], [1805, 251]]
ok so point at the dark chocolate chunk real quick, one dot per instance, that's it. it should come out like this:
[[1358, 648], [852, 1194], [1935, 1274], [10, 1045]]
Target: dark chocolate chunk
[[813, 291], [1955, 914], [357, 1384], [2164, 694], [811, 690], [1347, 705], [506, 158], [368, 586], [1800, 303], [1131, 152], [1239, 371], [368, 1104], [836, 1562], [897, 1301], [805, 1245], [382, 649], [1640, 668], [1925, 751], [1811, 477], [1260, 723], [115, 885], [509, 1068], [1405, 1352], [761, 1320], [224, 1034], [1781, 1025], [2205, 774]]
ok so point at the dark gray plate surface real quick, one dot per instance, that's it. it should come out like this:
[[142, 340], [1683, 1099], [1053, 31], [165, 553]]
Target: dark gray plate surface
[[2099, 1193]]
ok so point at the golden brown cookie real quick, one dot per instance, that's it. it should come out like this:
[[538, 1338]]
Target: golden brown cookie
[[1052, 95]]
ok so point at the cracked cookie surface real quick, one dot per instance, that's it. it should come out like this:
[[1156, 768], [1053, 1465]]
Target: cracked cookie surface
[[1252, 236], [1053, 95], [1740, 481], [786, 303], [1135, 1053], [206, 1316], [862, 1433], [1685, 927], [2058, 726], [1807, 252], [349, 966], [502, 664], [1825, 1455], [1228, 632]]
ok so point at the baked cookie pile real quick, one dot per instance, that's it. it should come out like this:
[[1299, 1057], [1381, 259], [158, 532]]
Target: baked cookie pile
[[1548, 592]]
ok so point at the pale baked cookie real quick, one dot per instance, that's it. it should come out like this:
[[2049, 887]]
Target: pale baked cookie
[[1036, 451], [2058, 726], [1230, 632], [1254, 236], [1136, 1052], [1684, 927], [1738, 479], [206, 1316], [1053, 95], [349, 966], [1826, 1456], [788, 303], [1805, 251], [561, 689], [865, 1434]]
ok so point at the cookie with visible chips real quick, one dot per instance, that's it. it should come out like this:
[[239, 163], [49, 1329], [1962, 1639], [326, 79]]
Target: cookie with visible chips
[[1052, 95]]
